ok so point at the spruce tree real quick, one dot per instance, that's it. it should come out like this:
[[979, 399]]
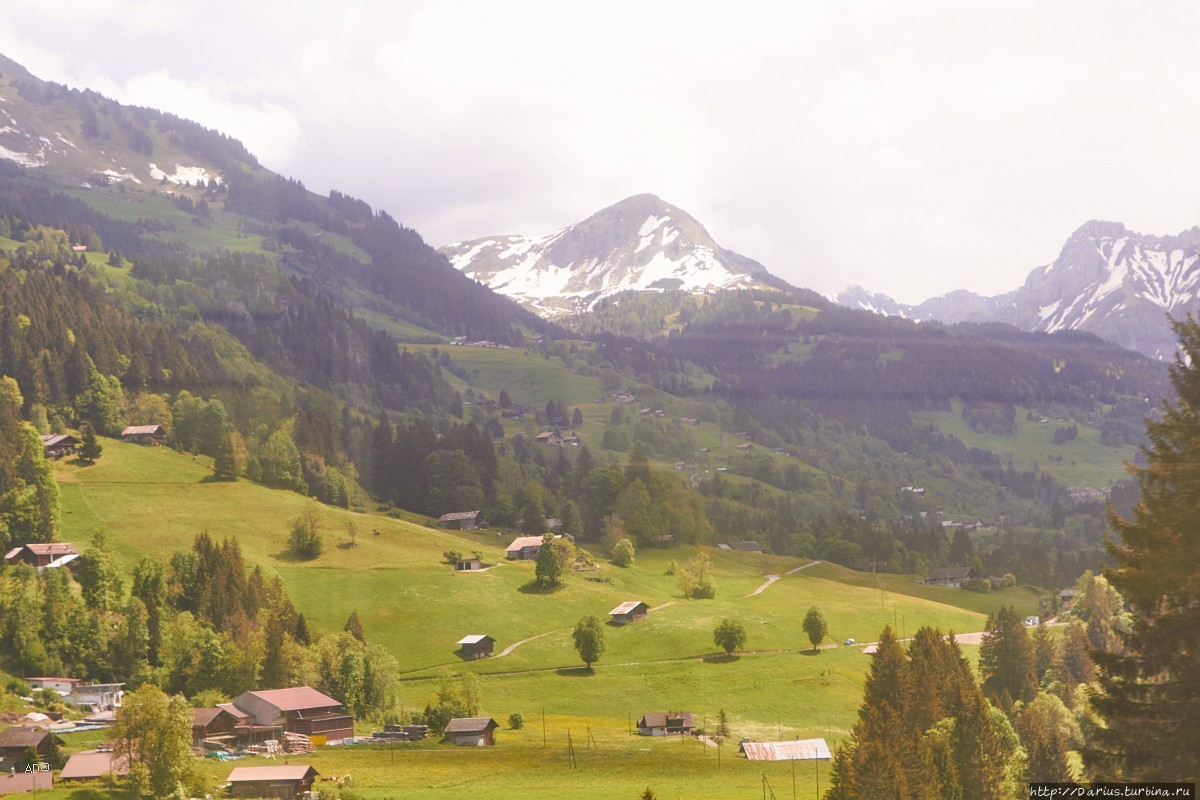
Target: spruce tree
[[1150, 691], [89, 447], [1006, 659]]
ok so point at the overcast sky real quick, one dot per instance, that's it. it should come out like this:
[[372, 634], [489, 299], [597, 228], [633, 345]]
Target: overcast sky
[[913, 148]]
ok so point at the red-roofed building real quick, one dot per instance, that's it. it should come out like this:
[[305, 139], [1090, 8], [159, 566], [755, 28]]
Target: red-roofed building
[[43, 555], [300, 709]]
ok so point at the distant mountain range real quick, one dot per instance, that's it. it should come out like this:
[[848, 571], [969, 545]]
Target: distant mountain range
[[640, 243], [1108, 280]]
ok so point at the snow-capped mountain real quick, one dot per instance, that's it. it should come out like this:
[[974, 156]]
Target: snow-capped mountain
[[1108, 280], [639, 243]]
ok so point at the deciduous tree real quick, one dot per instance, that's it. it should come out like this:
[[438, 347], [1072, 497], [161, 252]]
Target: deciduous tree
[[730, 635], [815, 627], [589, 640]]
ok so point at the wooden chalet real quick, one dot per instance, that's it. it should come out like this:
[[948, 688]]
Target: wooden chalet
[[630, 611], [91, 764], [43, 555], [471, 731], [953, 577], [282, 781], [1066, 598], [746, 547], [477, 645], [524, 548], [548, 437], [144, 434], [300, 709], [57, 445], [16, 742], [663, 723], [462, 520], [214, 725]]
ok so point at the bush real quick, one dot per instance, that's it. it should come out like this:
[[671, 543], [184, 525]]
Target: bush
[[623, 553], [516, 721]]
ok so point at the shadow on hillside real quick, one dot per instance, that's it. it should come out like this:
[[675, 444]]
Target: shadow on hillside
[[289, 556], [213, 479], [533, 587], [575, 672], [810, 652], [721, 658]]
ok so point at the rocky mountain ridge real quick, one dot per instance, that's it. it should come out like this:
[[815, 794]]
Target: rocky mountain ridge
[[640, 243]]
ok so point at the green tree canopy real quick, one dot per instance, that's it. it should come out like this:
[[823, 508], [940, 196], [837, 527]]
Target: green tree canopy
[[730, 635], [589, 640], [815, 627]]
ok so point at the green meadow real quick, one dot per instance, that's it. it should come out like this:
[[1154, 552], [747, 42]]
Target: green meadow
[[152, 501]]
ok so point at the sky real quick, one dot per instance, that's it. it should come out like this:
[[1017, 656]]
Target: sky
[[912, 148]]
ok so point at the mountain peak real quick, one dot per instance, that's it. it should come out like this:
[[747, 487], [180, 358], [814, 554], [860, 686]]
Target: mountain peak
[[640, 243]]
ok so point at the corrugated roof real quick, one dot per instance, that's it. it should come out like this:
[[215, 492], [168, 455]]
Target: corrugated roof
[[297, 772], [627, 607], [524, 541], [797, 750], [92, 764], [457, 515], [296, 698], [658, 719], [470, 725], [52, 548], [141, 430], [474, 638], [232, 709]]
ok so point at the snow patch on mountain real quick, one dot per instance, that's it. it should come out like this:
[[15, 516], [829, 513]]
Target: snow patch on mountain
[[182, 174], [641, 243]]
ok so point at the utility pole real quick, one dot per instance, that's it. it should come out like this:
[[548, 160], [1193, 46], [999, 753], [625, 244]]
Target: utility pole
[[543, 726]]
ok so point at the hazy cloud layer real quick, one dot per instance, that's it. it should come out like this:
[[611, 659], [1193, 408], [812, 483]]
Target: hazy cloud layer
[[913, 148]]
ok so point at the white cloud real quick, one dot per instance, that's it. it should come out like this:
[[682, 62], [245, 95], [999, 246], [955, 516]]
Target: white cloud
[[912, 148]]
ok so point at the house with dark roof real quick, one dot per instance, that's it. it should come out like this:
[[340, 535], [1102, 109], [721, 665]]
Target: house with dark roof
[[746, 547], [629, 611], [1066, 598], [43, 555], [214, 725], [462, 520], [300, 709], [548, 437], [17, 741], [953, 577], [662, 723], [57, 445], [478, 645], [471, 731], [283, 781]]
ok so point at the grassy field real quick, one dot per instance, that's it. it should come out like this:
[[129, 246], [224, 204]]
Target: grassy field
[[153, 501], [1085, 461]]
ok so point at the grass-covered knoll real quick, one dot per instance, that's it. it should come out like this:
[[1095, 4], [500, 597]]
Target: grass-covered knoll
[[1085, 461], [152, 501]]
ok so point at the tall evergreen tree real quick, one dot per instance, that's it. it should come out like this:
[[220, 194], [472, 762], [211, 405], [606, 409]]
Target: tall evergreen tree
[[1006, 659], [89, 447], [1150, 693]]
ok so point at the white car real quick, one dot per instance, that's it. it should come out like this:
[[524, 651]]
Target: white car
[[848, 642]]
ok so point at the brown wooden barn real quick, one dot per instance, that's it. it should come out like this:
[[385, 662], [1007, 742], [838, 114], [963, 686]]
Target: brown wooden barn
[[471, 731], [284, 782], [630, 611], [15, 743], [213, 724], [300, 709], [478, 645], [462, 520], [43, 555], [662, 723], [144, 434]]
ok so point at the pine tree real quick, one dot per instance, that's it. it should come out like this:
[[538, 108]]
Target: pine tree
[[89, 447], [354, 627], [1006, 659], [1150, 693]]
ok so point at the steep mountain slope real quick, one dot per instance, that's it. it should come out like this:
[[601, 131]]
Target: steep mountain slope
[[640, 243], [1107, 280], [157, 183]]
